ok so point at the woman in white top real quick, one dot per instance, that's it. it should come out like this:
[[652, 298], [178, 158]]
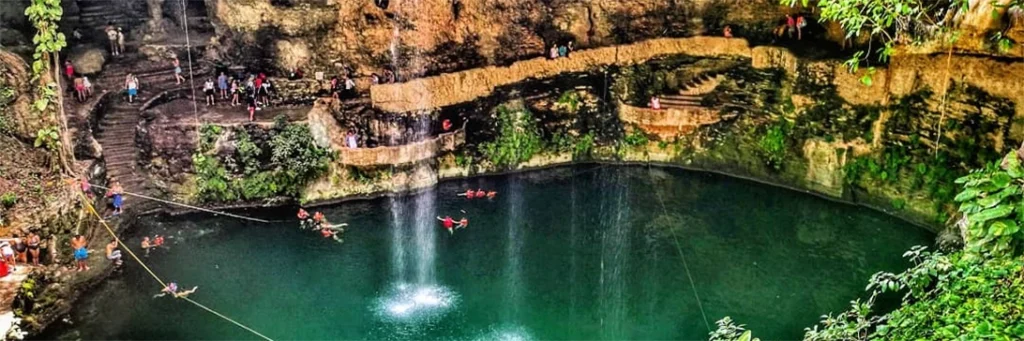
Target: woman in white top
[[88, 85], [209, 91]]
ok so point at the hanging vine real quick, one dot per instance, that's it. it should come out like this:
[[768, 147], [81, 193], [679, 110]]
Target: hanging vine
[[49, 103]]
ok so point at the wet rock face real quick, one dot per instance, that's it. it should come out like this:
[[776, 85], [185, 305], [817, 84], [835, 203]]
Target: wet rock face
[[432, 36], [88, 61]]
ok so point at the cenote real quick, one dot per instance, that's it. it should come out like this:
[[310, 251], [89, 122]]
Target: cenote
[[588, 252]]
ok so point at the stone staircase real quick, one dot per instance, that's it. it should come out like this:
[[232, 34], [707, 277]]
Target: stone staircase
[[116, 131], [95, 14]]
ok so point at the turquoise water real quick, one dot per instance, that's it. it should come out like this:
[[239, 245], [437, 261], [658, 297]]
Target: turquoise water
[[571, 253]]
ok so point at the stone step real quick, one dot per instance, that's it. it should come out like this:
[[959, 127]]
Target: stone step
[[115, 158], [122, 125], [120, 151], [677, 102], [118, 144], [120, 164]]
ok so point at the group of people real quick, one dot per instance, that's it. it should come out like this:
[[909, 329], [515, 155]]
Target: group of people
[[560, 50], [478, 194], [116, 37], [20, 249], [82, 85], [343, 88], [318, 223], [150, 244], [450, 224], [792, 26]]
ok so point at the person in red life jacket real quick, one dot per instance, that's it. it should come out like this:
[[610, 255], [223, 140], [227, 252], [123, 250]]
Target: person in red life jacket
[[470, 194], [318, 220], [492, 194], [447, 223], [446, 125], [69, 70], [158, 241], [480, 193], [304, 220]]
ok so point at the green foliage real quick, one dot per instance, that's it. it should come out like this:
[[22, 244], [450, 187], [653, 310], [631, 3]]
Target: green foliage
[[636, 138], [208, 135], [571, 100], [635, 84], [48, 138], [992, 204], [248, 151], [730, 331], [959, 298], [773, 143], [584, 145], [293, 160], [518, 138], [8, 199], [368, 176], [463, 160]]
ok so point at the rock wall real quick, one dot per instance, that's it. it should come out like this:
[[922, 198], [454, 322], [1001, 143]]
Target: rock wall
[[670, 122], [454, 88], [17, 115], [432, 36]]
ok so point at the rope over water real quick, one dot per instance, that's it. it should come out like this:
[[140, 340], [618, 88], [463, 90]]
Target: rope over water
[[186, 205], [683, 258], [91, 209]]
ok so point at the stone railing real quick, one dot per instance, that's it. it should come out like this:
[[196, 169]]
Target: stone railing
[[668, 122], [329, 133], [459, 87]]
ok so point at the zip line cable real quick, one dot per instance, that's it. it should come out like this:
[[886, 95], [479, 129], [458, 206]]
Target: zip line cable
[[185, 205], [188, 50], [163, 284], [683, 258]]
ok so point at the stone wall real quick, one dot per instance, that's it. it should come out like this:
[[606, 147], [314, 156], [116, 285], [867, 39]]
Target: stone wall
[[458, 87], [669, 122]]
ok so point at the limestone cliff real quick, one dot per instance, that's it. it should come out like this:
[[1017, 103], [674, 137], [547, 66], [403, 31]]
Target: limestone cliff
[[432, 36]]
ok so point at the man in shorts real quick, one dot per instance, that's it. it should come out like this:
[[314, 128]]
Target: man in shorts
[[81, 254], [209, 91]]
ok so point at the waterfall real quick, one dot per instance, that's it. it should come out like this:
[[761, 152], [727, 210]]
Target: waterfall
[[398, 240], [425, 227], [615, 243], [513, 252]]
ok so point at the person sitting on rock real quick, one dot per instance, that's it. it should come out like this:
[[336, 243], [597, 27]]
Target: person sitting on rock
[[655, 103], [113, 254], [727, 31]]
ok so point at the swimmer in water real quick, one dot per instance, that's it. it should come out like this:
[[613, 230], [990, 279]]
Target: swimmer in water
[[480, 193], [172, 288], [328, 232], [146, 245], [158, 241], [491, 194], [463, 223], [304, 220], [448, 223], [470, 194]]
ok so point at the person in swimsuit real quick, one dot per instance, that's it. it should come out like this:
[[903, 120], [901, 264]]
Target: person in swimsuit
[[146, 245], [116, 193], [113, 254], [33, 247], [172, 289], [448, 223], [20, 249], [177, 71], [81, 254]]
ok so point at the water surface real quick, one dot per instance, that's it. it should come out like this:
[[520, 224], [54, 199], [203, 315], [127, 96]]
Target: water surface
[[574, 253]]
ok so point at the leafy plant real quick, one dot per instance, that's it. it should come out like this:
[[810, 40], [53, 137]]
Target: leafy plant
[[45, 16], [517, 141], [49, 138], [8, 199], [730, 331], [991, 205], [248, 152], [208, 135], [636, 138], [295, 155], [773, 143], [584, 144]]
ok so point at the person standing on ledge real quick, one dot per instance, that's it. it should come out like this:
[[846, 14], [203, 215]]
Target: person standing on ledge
[[222, 84], [131, 83], [177, 71], [81, 254], [209, 92]]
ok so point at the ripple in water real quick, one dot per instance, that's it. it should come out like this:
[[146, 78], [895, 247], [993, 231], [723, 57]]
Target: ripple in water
[[415, 303], [506, 333]]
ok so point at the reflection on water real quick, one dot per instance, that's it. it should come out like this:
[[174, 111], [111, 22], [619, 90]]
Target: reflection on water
[[571, 253]]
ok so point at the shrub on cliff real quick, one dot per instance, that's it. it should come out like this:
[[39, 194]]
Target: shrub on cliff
[[264, 164], [518, 138]]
